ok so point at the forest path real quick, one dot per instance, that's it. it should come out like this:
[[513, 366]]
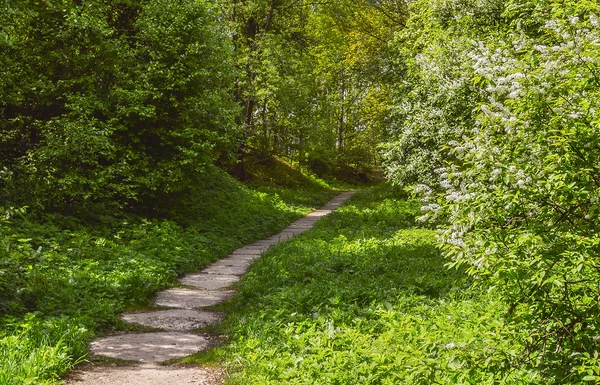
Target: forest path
[[179, 312]]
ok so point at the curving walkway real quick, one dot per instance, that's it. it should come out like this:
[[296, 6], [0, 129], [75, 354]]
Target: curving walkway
[[178, 313]]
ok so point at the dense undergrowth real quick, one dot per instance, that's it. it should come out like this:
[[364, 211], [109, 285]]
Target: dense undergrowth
[[64, 280], [365, 298]]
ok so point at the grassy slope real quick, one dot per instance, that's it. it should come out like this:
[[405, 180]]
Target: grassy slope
[[63, 281], [364, 298], [274, 175]]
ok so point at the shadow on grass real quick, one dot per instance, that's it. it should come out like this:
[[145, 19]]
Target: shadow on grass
[[363, 298], [363, 254]]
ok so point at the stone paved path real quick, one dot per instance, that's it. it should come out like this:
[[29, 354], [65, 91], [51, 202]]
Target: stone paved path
[[181, 311]]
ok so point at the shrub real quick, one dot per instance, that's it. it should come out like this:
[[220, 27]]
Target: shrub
[[111, 102], [524, 208], [515, 185]]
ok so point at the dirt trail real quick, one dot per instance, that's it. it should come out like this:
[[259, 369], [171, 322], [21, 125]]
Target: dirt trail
[[181, 311]]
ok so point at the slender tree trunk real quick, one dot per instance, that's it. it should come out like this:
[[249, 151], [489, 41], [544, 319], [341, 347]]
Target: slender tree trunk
[[342, 118]]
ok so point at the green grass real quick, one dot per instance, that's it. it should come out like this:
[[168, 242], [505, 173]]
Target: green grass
[[273, 175], [365, 298], [64, 280]]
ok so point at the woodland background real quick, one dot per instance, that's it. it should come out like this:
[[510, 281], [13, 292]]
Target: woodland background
[[117, 117]]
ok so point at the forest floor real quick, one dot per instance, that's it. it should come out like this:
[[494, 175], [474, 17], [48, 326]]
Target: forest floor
[[172, 329], [364, 297], [65, 278]]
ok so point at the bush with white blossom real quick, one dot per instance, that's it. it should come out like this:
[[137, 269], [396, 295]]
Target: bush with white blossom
[[516, 189]]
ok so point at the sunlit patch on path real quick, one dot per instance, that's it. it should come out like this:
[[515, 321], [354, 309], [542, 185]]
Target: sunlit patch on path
[[150, 347], [175, 319], [146, 375]]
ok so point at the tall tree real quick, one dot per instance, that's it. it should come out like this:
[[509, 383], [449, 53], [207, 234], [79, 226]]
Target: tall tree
[[314, 81]]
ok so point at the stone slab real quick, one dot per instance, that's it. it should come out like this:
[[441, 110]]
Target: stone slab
[[233, 261], [300, 226], [192, 299], [248, 251], [296, 229], [285, 237], [149, 347], [225, 270], [290, 234], [265, 242], [318, 213], [246, 256], [255, 249], [174, 320], [293, 231], [209, 281], [145, 375]]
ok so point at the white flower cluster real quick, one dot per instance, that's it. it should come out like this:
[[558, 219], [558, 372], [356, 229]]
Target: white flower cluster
[[453, 236], [505, 120]]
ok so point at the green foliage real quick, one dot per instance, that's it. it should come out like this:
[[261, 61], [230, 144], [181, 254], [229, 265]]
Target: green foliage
[[293, 184], [435, 103], [39, 351], [111, 101], [63, 280], [15, 253], [534, 198], [122, 104], [365, 298], [310, 82], [489, 106], [510, 164]]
